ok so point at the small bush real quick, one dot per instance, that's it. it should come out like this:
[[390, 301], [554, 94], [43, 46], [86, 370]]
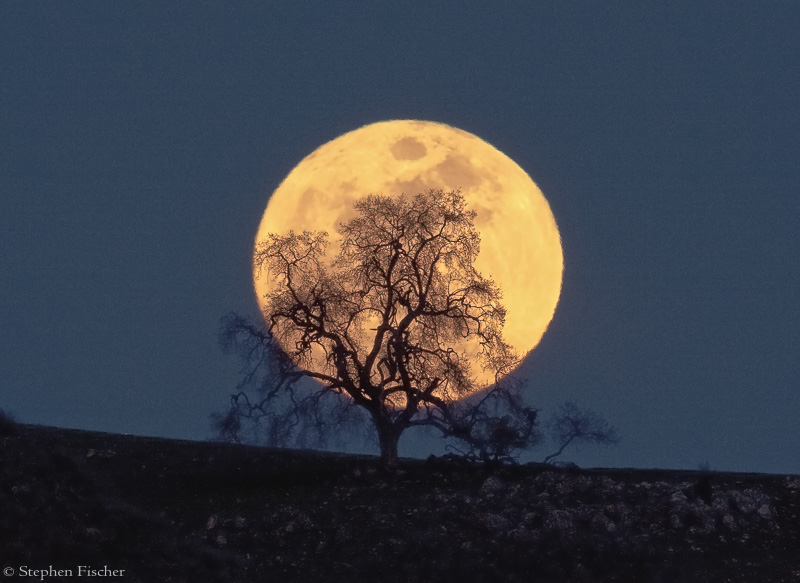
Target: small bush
[[7, 424]]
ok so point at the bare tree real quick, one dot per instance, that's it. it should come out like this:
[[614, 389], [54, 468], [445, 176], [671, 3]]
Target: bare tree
[[381, 325], [570, 424], [493, 428]]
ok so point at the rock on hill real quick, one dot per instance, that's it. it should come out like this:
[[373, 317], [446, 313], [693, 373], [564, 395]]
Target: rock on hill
[[167, 510]]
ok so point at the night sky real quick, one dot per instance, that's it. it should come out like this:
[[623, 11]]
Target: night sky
[[139, 143]]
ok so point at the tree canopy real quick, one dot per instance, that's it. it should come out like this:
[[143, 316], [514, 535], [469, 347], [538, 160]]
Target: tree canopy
[[386, 321], [392, 324], [383, 321]]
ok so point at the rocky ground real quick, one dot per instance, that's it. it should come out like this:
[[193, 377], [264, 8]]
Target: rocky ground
[[167, 510]]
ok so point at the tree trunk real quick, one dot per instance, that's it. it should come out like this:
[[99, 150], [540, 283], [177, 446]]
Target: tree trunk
[[388, 437]]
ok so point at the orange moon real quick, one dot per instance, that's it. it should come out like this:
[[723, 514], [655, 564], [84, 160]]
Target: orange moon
[[520, 243]]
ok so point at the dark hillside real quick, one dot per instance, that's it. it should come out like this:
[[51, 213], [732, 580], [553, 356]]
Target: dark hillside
[[167, 510]]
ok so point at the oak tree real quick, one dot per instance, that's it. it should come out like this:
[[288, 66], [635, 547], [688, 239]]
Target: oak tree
[[383, 325]]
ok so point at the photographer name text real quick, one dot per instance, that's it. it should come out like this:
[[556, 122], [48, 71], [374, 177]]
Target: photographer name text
[[80, 571]]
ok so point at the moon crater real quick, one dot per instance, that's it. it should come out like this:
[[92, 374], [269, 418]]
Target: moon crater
[[408, 148]]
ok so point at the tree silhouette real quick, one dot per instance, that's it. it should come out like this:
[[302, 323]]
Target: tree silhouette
[[570, 424], [384, 323]]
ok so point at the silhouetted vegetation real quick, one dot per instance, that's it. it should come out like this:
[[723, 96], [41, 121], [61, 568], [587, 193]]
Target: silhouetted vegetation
[[495, 429], [382, 325], [571, 425], [7, 424]]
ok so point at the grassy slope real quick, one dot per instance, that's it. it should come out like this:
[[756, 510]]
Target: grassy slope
[[168, 510]]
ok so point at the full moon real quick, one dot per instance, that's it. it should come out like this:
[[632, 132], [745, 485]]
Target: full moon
[[520, 244]]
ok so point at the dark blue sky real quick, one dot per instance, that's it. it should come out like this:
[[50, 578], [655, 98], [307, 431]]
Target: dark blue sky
[[139, 143]]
